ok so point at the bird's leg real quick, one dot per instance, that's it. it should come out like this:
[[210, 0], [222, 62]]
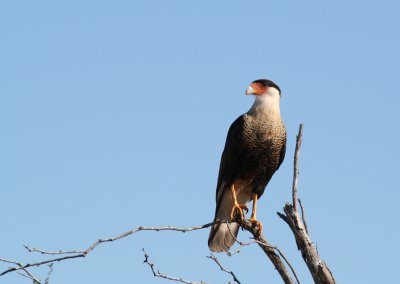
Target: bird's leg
[[236, 205], [253, 217]]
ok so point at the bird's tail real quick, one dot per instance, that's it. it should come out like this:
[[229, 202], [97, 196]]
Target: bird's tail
[[221, 236]]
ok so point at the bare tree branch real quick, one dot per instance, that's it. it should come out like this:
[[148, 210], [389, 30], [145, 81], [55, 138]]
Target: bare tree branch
[[28, 275], [299, 140], [165, 228], [82, 253], [228, 253], [264, 244], [160, 275], [29, 249], [40, 263], [25, 272], [10, 261], [269, 251], [303, 215], [213, 257], [70, 254], [318, 268], [46, 281]]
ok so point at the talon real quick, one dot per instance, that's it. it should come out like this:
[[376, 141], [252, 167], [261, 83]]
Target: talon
[[257, 224], [238, 208], [244, 207], [236, 205], [253, 218]]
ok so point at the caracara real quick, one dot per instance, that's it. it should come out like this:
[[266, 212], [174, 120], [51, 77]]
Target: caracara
[[254, 149]]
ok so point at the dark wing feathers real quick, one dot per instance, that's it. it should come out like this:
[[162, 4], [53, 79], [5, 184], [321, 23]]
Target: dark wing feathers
[[282, 154], [230, 157]]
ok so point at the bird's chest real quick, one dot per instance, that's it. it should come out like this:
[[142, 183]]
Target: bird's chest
[[262, 143], [262, 136]]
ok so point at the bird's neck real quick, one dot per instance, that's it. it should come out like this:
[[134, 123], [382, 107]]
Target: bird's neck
[[266, 105]]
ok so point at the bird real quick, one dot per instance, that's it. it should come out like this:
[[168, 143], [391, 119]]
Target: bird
[[254, 150]]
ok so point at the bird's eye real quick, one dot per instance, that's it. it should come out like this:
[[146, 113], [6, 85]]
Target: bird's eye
[[258, 86]]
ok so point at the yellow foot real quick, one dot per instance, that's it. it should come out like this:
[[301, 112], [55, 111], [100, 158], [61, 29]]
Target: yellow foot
[[257, 223], [239, 208]]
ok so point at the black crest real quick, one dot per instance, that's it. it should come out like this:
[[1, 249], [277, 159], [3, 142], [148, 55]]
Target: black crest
[[268, 83]]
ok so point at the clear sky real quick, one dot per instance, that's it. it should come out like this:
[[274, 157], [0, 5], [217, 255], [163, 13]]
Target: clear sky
[[114, 114]]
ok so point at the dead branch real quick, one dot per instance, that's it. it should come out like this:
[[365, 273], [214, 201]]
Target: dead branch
[[70, 254], [82, 253], [295, 184], [262, 242], [46, 281], [24, 272], [39, 263], [213, 257], [28, 275], [318, 268], [160, 275], [303, 215], [269, 250], [228, 253], [29, 249]]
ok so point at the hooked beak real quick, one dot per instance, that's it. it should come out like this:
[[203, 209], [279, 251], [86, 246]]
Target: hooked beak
[[249, 90]]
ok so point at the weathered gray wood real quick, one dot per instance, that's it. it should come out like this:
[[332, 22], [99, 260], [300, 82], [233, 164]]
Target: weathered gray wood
[[318, 268], [269, 250]]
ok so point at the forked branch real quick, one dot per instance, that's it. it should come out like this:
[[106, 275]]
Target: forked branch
[[158, 274], [64, 255], [270, 251], [215, 259], [318, 268]]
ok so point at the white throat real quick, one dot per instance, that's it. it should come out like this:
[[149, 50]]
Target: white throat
[[268, 103]]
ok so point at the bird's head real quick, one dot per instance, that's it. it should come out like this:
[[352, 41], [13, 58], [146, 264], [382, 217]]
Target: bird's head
[[263, 87]]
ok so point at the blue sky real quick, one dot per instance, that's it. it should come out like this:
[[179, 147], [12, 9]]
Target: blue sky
[[114, 115]]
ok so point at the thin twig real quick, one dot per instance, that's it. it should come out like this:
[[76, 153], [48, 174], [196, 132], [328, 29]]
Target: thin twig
[[46, 281], [39, 263], [160, 275], [29, 249], [10, 261], [299, 140], [31, 276], [28, 275], [165, 228], [228, 253], [213, 257], [83, 253]]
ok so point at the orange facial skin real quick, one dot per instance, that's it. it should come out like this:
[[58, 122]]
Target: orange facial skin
[[259, 89]]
